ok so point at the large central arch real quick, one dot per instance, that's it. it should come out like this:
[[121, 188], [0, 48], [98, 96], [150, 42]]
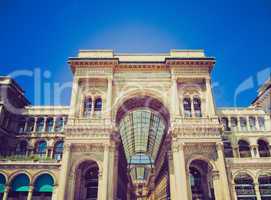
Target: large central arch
[[143, 122]]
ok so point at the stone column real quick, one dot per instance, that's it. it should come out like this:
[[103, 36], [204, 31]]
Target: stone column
[[105, 172], [257, 191], [115, 174], [100, 186], [210, 100], [64, 172], [254, 151], [109, 96], [235, 150], [30, 193], [44, 124], [216, 184], [35, 124], [25, 125], [112, 172], [5, 196], [181, 183], [223, 173], [174, 97], [171, 175], [234, 192], [54, 194], [75, 96]]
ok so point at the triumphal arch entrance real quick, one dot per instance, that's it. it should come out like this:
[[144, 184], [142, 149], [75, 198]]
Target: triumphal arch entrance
[[142, 126]]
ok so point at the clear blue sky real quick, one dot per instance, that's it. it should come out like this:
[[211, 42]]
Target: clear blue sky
[[44, 34]]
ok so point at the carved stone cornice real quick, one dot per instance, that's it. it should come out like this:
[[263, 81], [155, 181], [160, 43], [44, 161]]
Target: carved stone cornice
[[37, 166]]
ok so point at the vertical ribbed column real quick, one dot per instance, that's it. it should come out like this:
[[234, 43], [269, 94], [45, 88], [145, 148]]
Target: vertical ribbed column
[[64, 171], [210, 101], [30, 193], [105, 172], [109, 96], [174, 97], [180, 172], [222, 169], [5, 196]]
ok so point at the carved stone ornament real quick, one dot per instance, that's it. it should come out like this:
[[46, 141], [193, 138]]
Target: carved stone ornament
[[94, 147], [206, 150]]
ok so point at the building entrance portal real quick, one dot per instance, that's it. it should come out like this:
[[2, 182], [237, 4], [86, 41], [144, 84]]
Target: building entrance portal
[[143, 126]]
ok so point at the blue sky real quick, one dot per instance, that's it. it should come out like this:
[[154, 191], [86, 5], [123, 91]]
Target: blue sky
[[43, 34]]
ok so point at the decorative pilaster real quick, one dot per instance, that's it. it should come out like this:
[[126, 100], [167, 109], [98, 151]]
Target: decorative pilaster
[[254, 151], [75, 96], [181, 183], [105, 172], [5, 196], [216, 183], [257, 191], [171, 175], [174, 97], [235, 151], [54, 195], [64, 171], [109, 96], [30, 192], [234, 192], [35, 124], [210, 101], [223, 173]]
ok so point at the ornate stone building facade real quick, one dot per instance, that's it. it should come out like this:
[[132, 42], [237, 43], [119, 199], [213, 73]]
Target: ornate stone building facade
[[139, 126]]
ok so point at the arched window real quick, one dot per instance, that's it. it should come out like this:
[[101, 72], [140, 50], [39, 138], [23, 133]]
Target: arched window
[[43, 187], [87, 106], [197, 106], [234, 123], [243, 124], [59, 124], [227, 149], [19, 187], [21, 148], [21, 125], [2, 185], [30, 124], [244, 187], [225, 123], [91, 179], [244, 149], [49, 124], [187, 107], [41, 148], [263, 148], [58, 150], [261, 122], [98, 104], [40, 124], [252, 123], [265, 186]]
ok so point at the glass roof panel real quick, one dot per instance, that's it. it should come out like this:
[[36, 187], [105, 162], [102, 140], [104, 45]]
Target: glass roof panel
[[141, 132]]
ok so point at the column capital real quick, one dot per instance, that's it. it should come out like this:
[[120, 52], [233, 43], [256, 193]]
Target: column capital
[[220, 146], [215, 175], [7, 188]]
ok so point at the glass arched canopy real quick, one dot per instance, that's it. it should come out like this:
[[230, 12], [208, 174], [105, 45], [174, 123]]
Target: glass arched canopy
[[141, 132]]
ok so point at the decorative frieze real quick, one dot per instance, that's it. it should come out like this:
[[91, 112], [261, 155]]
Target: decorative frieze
[[89, 147], [206, 150]]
